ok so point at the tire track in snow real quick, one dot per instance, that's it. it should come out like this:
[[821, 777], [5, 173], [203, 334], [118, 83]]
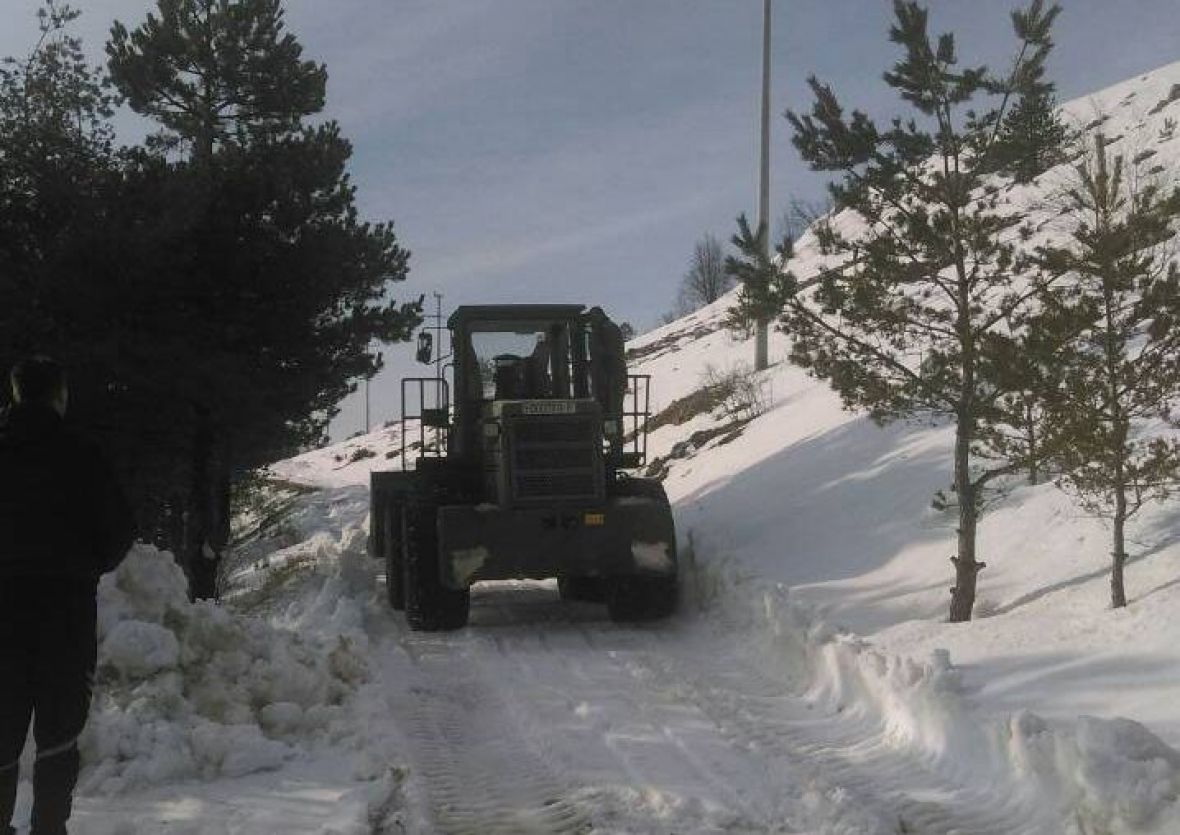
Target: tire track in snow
[[543, 717], [479, 776], [521, 724], [652, 746]]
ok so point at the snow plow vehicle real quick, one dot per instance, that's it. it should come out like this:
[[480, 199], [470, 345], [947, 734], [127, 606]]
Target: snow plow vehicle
[[523, 474]]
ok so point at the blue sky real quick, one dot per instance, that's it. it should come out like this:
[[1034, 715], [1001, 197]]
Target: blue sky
[[574, 150]]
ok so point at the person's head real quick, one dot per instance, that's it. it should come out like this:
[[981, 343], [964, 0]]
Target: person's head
[[40, 381]]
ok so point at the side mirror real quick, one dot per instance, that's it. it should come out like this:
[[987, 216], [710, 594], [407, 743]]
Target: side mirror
[[425, 346]]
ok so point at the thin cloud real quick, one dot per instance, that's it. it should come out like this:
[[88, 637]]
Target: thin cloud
[[498, 258]]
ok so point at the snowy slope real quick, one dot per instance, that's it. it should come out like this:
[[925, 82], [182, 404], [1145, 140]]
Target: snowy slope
[[823, 501]]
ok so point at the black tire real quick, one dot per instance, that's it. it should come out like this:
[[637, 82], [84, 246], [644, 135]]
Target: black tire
[[583, 589], [430, 606], [376, 543], [647, 488], [391, 534], [634, 598], [637, 598]]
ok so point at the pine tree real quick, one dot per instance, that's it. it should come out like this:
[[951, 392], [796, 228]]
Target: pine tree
[[270, 289], [764, 286], [1119, 309], [1032, 136], [70, 242], [213, 70], [918, 321], [57, 167], [1033, 139], [55, 151]]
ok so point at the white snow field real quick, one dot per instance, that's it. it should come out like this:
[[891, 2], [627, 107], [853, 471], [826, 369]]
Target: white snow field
[[809, 684]]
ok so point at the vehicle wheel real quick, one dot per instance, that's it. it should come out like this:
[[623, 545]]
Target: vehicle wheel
[[395, 580], [646, 488], [636, 598], [430, 606], [583, 589], [376, 543]]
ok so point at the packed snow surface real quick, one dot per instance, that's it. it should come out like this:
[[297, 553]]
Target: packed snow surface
[[810, 683]]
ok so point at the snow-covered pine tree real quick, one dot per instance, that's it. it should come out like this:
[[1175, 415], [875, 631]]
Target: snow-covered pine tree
[[1110, 415], [919, 320]]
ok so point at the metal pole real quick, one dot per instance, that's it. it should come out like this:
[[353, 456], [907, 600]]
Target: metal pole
[[761, 340], [366, 405], [438, 328]]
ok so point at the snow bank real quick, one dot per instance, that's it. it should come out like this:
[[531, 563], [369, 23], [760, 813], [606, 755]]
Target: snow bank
[[1113, 774], [191, 690], [1098, 775]]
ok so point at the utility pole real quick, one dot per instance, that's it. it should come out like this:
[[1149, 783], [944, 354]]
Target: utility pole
[[761, 336]]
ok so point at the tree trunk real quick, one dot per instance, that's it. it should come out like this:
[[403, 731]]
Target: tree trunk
[[222, 501], [1034, 473], [761, 345], [966, 568], [1118, 554], [200, 556], [174, 533]]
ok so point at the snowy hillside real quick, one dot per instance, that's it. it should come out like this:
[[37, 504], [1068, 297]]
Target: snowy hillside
[[810, 683], [840, 511]]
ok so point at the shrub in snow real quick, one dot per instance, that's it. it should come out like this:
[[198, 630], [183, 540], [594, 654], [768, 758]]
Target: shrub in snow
[[192, 690], [740, 391]]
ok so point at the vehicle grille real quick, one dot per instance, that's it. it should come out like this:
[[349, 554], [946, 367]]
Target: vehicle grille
[[550, 429], [555, 457]]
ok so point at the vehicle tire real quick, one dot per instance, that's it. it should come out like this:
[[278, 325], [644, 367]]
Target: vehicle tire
[[582, 589], [646, 488], [633, 598], [391, 535], [430, 606], [376, 543], [639, 597]]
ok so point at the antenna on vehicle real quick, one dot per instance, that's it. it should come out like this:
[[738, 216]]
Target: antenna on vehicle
[[438, 327]]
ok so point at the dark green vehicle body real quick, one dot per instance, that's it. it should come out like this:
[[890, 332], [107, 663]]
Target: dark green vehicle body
[[524, 475]]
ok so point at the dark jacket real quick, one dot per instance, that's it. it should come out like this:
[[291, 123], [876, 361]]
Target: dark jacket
[[62, 512]]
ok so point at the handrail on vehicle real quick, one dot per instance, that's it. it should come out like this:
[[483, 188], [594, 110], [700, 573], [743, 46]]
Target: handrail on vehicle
[[433, 413]]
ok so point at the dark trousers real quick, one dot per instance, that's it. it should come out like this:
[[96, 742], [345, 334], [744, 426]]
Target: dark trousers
[[47, 657]]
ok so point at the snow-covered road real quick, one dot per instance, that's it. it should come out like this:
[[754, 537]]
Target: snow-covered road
[[544, 717], [306, 706]]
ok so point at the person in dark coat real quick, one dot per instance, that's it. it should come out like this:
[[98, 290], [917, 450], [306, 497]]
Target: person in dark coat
[[64, 521]]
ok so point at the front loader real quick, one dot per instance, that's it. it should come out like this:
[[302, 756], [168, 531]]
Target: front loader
[[523, 473]]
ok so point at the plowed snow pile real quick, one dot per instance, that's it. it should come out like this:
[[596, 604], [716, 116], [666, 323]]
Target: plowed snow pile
[[187, 690]]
